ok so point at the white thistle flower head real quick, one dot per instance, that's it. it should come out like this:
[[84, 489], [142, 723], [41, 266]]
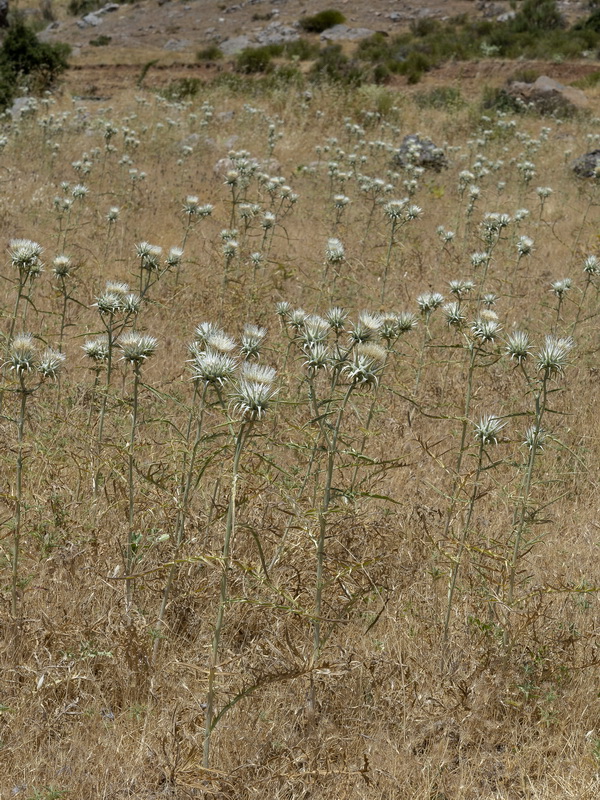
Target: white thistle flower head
[[488, 429], [232, 177], [429, 301], [521, 214], [220, 342], [372, 350], [461, 287], [50, 363], [25, 255], [543, 192], [61, 266], [591, 265], [251, 399], [22, 354], [479, 259], [453, 313], [363, 369], [79, 191], [394, 210], [317, 355], [268, 220], [535, 438], [336, 318], [256, 259], [406, 321], [117, 287], [316, 329], [230, 248], [561, 287], [489, 299], [131, 303], [149, 255], [474, 192], [252, 339], [259, 373], [191, 205], [205, 330], [283, 308], [413, 211], [113, 213], [486, 330], [137, 347], [109, 303], [213, 368], [205, 210], [96, 349], [366, 327], [518, 346], [341, 201], [334, 251], [553, 356], [524, 246], [296, 318], [174, 257]]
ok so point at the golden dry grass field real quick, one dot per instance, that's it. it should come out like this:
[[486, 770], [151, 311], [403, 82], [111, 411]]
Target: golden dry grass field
[[373, 574]]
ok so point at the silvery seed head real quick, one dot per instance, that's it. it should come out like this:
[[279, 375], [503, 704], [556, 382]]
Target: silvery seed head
[[336, 317], [191, 205], [149, 255], [230, 248], [252, 339], [252, 399], [50, 363], [213, 368], [268, 221], [518, 346], [334, 252], [221, 342], [488, 429], [341, 201], [205, 210], [79, 191], [137, 347], [479, 259], [561, 287], [25, 255], [486, 330], [365, 328], [96, 349], [521, 214], [259, 373], [553, 355], [131, 303], [61, 266], [22, 354]]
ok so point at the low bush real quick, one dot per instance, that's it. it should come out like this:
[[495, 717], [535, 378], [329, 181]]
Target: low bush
[[444, 98], [322, 21], [210, 53], [253, 60]]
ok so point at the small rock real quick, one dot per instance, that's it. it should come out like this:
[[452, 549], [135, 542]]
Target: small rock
[[231, 46], [344, 32], [588, 165], [92, 19], [421, 153], [176, 45]]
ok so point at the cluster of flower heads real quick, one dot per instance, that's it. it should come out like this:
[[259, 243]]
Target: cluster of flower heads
[[25, 256], [219, 361], [358, 349], [24, 357]]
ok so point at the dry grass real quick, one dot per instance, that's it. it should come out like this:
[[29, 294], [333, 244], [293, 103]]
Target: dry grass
[[84, 710]]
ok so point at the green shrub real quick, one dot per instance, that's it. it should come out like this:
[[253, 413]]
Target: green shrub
[[524, 76], [414, 66], [588, 82], [101, 41], [333, 66], [25, 61], [182, 89], [302, 49], [209, 53], [495, 99], [322, 21], [444, 98], [538, 15], [253, 60], [78, 8], [591, 23]]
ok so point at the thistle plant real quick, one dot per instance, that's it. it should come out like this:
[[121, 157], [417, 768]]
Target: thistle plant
[[486, 433], [249, 401], [136, 349], [560, 289], [398, 214], [31, 370], [591, 269], [25, 258], [551, 360]]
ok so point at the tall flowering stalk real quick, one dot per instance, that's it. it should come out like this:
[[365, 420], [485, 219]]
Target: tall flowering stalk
[[250, 401], [398, 213], [136, 348], [31, 370]]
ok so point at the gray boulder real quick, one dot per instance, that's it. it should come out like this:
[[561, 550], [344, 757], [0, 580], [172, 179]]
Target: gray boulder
[[344, 32], [232, 46], [588, 165], [420, 153], [549, 96]]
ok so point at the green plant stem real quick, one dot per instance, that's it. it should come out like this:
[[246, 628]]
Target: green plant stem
[[23, 392], [463, 543], [387, 260], [131, 539], [242, 436]]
